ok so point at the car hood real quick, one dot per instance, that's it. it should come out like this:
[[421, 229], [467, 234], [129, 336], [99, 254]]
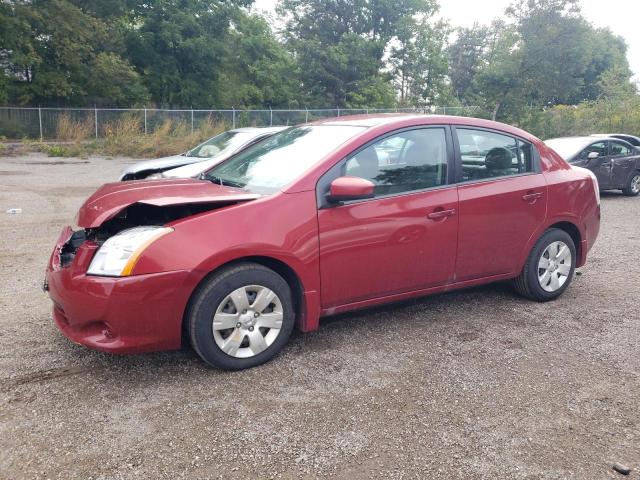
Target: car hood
[[159, 164], [112, 198]]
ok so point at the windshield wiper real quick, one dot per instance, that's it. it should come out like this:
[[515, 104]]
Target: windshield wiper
[[220, 181]]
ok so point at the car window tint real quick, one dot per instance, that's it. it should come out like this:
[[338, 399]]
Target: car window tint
[[407, 161], [620, 149], [491, 155], [600, 148]]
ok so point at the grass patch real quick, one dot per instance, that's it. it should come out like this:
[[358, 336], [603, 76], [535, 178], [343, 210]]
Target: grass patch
[[124, 137]]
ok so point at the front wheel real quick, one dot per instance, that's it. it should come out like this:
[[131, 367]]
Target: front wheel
[[632, 188], [549, 268], [241, 317]]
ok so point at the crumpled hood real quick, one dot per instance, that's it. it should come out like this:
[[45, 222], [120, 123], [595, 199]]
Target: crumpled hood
[[112, 198]]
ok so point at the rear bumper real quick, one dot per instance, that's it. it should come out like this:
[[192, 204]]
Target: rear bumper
[[134, 314]]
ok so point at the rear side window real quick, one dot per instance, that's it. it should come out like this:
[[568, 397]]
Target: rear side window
[[492, 155], [407, 161]]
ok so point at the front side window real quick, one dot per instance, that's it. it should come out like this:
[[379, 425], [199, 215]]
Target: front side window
[[491, 155], [599, 147], [620, 149], [407, 161], [271, 164]]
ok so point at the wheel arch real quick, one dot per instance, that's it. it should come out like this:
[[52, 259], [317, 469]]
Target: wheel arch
[[567, 225], [573, 231], [280, 267]]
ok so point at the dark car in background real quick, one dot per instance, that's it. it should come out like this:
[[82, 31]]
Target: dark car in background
[[615, 162], [632, 139]]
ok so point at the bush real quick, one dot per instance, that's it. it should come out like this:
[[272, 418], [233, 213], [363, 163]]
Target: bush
[[126, 137], [68, 129]]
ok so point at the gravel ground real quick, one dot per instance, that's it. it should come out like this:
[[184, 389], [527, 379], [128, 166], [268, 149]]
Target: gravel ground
[[473, 384]]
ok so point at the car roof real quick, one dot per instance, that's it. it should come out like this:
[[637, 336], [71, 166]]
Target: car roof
[[612, 135], [585, 138], [366, 120], [401, 120]]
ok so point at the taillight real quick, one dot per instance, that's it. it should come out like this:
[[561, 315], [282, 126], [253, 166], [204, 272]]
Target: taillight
[[596, 187]]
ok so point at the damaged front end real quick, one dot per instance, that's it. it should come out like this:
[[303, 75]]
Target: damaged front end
[[122, 219], [132, 218]]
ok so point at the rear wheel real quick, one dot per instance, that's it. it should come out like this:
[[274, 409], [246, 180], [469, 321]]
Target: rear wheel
[[549, 268], [632, 188], [241, 317]]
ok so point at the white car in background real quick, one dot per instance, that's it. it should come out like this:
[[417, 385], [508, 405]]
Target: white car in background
[[216, 149]]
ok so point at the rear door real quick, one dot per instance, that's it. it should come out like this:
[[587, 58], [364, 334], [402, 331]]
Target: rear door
[[502, 201], [623, 158], [404, 238]]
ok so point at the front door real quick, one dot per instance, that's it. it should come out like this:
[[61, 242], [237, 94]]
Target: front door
[[403, 239], [600, 165]]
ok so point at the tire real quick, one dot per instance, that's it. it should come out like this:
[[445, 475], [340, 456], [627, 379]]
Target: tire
[[632, 188], [256, 335], [532, 282]]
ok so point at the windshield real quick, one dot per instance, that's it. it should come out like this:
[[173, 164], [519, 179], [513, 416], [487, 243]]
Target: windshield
[[225, 141], [271, 164], [568, 148]]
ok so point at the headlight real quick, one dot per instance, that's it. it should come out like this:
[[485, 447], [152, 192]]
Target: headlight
[[119, 254], [154, 176]]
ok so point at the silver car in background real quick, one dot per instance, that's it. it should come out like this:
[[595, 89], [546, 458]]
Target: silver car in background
[[219, 148]]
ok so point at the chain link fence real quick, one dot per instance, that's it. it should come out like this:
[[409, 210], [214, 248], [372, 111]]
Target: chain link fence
[[42, 123]]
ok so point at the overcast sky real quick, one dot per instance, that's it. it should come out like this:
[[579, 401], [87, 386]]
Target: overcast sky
[[621, 16]]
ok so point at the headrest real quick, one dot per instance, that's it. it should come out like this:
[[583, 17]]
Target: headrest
[[498, 158]]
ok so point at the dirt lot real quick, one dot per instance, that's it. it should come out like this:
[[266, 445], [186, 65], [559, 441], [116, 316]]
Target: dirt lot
[[474, 384]]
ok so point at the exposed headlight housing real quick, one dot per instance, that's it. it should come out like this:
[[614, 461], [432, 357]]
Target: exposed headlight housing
[[118, 255]]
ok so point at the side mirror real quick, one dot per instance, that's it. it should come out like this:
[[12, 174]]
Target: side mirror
[[343, 189], [593, 155]]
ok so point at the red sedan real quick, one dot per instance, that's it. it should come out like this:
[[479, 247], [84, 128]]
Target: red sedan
[[322, 218]]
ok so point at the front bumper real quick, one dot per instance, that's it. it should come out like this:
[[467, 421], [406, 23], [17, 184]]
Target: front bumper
[[135, 314]]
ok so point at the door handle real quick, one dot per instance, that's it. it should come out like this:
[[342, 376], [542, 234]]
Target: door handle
[[438, 214], [532, 197]]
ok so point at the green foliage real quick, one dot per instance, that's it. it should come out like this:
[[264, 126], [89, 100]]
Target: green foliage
[[61, 151], [420, 65], [258, 71], [339, 47], [342, 53]]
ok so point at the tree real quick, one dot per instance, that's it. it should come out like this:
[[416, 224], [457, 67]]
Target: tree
[[499, 81], [179, 45], [339, 47], [419, 63], [258, 71], [50, 53], [466, 54]]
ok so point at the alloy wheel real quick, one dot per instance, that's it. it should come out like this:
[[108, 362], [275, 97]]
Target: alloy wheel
[[635, 185], [247, 321], [554, 266]]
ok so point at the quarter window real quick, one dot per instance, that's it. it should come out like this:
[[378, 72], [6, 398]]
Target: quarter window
[[492, 155], [407, 161]]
